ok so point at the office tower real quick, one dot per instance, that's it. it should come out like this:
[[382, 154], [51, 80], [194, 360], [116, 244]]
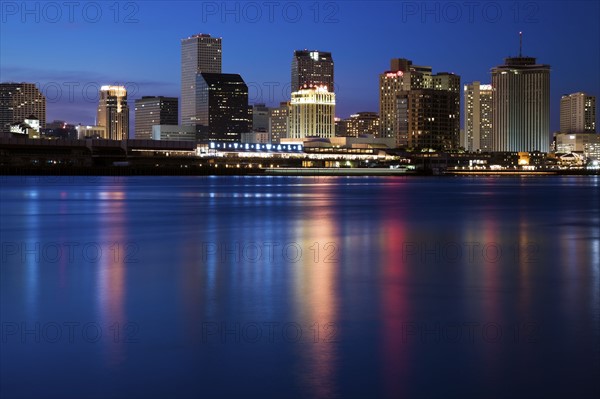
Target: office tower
[[312, 113], [199, 53], [260, 117], [402, 76], [278, 121], [578, 113], [417, 108], [362, 123], [477, 134], [340, 127], [429, 118], [312, 68], [222, 106], [113, 112], [521, 105], [19, 101], [150, 110]]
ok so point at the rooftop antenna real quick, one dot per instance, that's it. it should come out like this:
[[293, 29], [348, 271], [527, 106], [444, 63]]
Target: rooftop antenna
[[520, 44]]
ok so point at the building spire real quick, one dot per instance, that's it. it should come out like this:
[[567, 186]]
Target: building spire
[[520, 44]]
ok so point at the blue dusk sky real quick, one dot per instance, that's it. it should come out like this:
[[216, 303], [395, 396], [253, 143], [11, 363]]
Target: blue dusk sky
[[70, 49]]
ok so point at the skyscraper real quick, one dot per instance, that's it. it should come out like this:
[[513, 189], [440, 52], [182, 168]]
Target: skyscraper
[[312, 113], [402, 76], [312, 68], [222, 106], [417, 108], [478, 117], [578, 113], [521, 90], [150, 110], [278, 121], [19, 101], [260, 117], [113, 112], [199, 53]]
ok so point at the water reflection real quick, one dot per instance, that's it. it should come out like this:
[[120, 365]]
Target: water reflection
[[370, 291], [108, 255], [396, 313], [32, 251], [316, 291]]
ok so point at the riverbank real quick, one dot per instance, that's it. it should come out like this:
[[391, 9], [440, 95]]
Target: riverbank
[[278, 171]]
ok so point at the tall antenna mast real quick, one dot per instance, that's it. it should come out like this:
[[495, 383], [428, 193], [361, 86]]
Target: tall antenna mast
[[520, 44]]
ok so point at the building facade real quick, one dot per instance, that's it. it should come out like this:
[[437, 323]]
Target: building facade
[[90, 132], [311, 69], [222, 100], [18, 101], [312, 113], [278, 122], [199, 53], [173, 133], [586, 143], [391, 83], [521, 111], [439, 98], [428, 118], [477, 134], [578, 113], [260, 117], [150, 111], [362, 123], [113, 112]]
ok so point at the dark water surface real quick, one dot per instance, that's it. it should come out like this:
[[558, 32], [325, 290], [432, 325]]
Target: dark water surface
[[194, 287]]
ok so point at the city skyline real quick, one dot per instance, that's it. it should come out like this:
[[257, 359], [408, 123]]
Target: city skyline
[[265, 65]]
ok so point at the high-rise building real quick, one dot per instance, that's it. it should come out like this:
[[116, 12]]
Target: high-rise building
[[311, 69], [278, 121], [521, 110], [429, 118], [578, 113], [391, 83], [362, 123], [260, 117], [150, 110], [477, 134], [418, 108], [312, 113], [402, 76], [19, 101], [199, 54], [340, 127], [222, 106], [113, 112]]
